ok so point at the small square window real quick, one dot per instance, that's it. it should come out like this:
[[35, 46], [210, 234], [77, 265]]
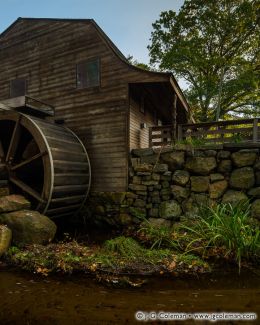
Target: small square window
[[18, 87], [88, 74]]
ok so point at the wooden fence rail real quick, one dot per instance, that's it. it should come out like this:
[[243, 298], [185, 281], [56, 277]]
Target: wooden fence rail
[[235, 131]]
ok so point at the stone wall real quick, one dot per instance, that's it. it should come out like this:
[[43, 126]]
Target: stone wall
[[170, 184]]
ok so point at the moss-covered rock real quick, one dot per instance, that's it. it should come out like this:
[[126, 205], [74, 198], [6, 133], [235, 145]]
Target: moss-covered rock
[[255, 192], [29, 227], [174, 160], [199, 183], [234, 197], [225, 166], [244, 158], [242, 178], [5, 239], [180, 192], [255, 209], [170, 210], [217, 189], [201, 165], [181, 177], [13, 203]]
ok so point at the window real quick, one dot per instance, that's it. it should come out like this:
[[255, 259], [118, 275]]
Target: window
[[88, 74], [18, 87]]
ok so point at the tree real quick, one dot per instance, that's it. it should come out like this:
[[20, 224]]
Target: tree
[[138, 64], [214, 46]]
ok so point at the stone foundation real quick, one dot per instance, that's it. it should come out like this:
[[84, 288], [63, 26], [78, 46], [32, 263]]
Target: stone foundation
[[170, 184]]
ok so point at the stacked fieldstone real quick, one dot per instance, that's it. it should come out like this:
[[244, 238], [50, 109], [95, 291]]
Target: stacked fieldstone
[[171, 183]]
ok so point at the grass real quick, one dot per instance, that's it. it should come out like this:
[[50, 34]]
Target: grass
[[226, 229], [120, 255], [158, 237]]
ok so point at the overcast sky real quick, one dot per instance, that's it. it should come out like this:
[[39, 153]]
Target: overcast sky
[[127, 22]]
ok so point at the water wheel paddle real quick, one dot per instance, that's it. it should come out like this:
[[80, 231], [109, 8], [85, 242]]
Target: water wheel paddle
[[45, 162]]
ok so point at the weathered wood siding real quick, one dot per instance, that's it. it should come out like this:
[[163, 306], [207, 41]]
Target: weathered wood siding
[[139, 138], [46, 52], [98, 115]]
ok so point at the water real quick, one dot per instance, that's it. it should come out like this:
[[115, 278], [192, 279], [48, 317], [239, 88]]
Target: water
[[28, 299]]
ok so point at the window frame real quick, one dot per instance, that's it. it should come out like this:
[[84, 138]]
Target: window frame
[[86, 61]]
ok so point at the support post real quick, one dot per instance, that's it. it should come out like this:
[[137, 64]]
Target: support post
[[150, 137], [174, 118], [180, 135], [255, 130]]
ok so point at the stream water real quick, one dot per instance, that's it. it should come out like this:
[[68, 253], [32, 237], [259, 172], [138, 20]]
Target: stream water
[[28, 299]]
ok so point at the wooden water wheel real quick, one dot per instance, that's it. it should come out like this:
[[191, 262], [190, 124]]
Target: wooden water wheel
[[45, 162]]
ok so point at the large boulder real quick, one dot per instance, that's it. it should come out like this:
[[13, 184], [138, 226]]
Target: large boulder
[[13, 203], [244, 158], [234, 197], [217, 189], [29, 227], [199, 183], [170, 210], [174, 160], [242, 178], [201, 165], [181, 177], [255, 209], [5, 239]]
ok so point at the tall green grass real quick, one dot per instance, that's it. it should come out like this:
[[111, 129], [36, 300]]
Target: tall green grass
[[227, 227]]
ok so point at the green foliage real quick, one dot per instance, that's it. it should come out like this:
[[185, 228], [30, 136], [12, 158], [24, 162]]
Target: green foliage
[[158, 237], [138, 64], [125, 246], [214, 46], [226, 228]]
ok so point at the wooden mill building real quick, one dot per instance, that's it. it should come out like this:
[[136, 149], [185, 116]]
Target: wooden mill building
[[107, 102]]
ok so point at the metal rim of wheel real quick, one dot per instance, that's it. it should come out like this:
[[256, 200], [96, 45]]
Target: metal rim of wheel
[[46, 162]]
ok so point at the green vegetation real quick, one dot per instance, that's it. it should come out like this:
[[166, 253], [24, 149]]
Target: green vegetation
[[226, 229], [213, 46], [223, 232]]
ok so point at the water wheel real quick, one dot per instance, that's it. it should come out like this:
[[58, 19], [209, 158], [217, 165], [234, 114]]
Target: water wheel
[[45, 162]]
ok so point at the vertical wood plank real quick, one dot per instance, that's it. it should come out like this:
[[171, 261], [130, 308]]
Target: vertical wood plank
[[255, 129], [180, 135]]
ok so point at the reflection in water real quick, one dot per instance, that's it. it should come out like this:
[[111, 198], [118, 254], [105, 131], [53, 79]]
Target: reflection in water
[[26, 299]]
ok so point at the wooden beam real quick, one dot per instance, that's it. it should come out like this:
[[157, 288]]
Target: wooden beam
[[2, 154], [255, 130], [14, 141], [26, 188], [27, 161]]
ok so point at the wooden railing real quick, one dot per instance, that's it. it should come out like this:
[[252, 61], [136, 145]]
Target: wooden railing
[[160, 135], [235, 131]]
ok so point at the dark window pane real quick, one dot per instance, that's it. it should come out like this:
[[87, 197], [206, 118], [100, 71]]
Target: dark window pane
[[88, 74], [17, 87]]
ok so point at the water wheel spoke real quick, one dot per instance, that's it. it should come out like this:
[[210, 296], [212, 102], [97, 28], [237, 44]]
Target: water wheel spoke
[[26, 188], [14, 141], [2, 153], [29, 160]]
